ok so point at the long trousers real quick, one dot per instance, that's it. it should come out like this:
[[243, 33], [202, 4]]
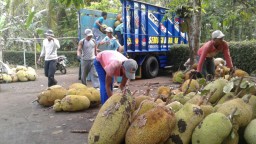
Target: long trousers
[[49, 71], [88, 69], [102, 78]]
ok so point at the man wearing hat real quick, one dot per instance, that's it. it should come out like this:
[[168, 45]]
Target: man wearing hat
[[209, 50], [110, 42], [49, 52], [86, 52], [109, 64]]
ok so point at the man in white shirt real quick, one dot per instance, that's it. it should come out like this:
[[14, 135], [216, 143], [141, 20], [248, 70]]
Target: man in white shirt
[[49, 52]]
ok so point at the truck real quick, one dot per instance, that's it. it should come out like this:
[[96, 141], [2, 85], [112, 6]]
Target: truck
[[148, 35]]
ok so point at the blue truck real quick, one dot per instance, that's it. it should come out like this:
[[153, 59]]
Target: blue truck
[[148, 38]]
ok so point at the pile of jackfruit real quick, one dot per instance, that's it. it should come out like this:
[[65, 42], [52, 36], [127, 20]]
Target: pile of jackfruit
[[19, 73], [220, 111], [76, 97]]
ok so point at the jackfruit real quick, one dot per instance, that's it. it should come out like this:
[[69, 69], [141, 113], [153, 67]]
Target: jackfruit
[[72, 103], [139, 99], [31, 75], [174, 106], [217, 85], [244, 111], [183, 99], [22, 75], [193, 87], [112, 120], [48, 96], [178, 77], [227, 97], [77, 86], [188, 117], [152, 127], [252, 103], [250, 132], [240, 73], [7, 78], [212, 130], [164, 92], [145, 106]]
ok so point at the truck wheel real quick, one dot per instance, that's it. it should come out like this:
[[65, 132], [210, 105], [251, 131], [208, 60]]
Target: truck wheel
[[150, 67]]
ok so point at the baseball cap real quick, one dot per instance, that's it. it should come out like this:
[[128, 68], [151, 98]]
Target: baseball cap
[[88, 32], [49, 33], [109, 29], [217, 34], [130, 67]]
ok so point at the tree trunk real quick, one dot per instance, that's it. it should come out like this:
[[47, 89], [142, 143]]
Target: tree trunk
[[194, 30]]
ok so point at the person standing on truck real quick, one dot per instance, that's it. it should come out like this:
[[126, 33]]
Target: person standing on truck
[[49, 52], [97, 25], [111, 63], [110, 42], [86, 52], [119, 32], [209, 50]]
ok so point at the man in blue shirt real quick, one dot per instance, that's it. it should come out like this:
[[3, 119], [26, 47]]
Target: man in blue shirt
[[97, 25], [119, 33], [109, 42]]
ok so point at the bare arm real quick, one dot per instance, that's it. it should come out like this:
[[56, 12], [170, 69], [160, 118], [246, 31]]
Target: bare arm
[[79, 48], [98, 23], [123, 83]]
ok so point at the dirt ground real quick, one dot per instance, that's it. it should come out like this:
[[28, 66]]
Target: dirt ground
[[23, 121]]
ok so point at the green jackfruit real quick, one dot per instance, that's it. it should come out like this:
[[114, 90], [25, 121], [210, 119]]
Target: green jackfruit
[[212, 130], [175, 106], [243, 113], [193, 87], [152, 127], [188, 117], [250, 132], [178, 77], [113, 120], [218, 85], [145, 106]]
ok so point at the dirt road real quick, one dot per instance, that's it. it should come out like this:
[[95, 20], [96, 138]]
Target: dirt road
[[25, 122]]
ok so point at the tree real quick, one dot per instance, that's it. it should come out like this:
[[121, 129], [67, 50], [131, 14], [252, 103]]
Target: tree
[[190, 12]]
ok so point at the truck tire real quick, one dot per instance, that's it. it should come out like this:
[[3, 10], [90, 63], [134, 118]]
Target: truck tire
[[150, 67]]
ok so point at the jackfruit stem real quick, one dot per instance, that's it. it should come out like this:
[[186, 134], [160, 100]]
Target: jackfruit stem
[[237, 88], [230, 117], [79, 131], [35, 101], [134, 92], [232, 72], [49, 108], [188, 85], [147, 91], [247, 99], [208, 97]]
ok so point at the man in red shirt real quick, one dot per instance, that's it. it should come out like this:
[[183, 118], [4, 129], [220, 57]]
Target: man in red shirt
[[209, 50]]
